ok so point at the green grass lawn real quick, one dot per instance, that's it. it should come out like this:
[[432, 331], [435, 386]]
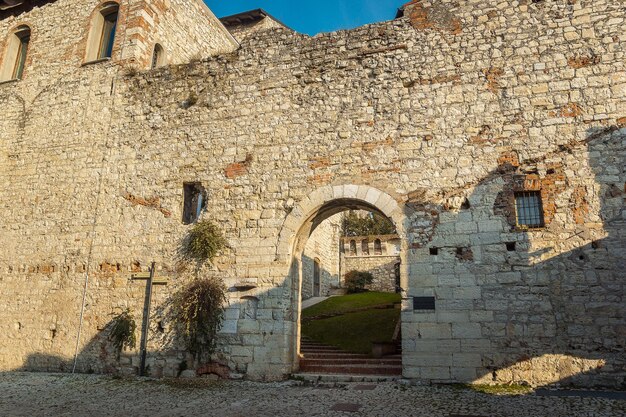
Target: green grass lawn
[[345, 303], [353, 332]]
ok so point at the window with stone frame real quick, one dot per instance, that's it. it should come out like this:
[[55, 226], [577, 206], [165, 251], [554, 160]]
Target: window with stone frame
[[102, 32], [15, 54], [529, 209], [108, 33], [194, 202]]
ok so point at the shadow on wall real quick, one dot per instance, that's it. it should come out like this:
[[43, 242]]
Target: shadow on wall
[[585, 286], [100, 355], [312, 287], [556, 299], [559, 314]]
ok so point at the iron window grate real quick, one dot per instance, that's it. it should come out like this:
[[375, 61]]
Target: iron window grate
[[529, 210]]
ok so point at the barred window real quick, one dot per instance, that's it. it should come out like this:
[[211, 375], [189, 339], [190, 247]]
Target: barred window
[[528, 209], [158, 56]]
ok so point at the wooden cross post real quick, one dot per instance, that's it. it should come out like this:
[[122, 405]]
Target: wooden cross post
[[152, 280]]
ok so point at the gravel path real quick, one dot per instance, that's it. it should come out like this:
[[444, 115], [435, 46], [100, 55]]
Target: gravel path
[[33, 395]]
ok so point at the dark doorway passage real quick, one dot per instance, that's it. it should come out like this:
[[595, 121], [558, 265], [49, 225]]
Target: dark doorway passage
[[396, 271], [316, 278]]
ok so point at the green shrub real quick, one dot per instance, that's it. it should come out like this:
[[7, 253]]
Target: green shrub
[[203, 242], [123, 332], [356, 281], [198, 309]]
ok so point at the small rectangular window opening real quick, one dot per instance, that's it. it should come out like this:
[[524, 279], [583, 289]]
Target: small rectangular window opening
[[434, 251], [510, 246], [528, 209], [194, 202]]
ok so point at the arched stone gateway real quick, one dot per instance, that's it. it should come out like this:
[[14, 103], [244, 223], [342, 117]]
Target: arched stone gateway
[[311, 212]]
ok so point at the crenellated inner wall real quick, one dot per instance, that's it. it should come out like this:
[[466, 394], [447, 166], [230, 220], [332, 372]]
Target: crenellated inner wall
[[449, 112]]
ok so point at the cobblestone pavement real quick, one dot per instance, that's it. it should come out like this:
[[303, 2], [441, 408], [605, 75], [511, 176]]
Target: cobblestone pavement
[[28, 394]]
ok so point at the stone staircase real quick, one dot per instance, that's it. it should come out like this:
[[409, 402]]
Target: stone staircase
[[320, 359]]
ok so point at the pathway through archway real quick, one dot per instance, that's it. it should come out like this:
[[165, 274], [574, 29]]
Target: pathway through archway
[[350, 353]]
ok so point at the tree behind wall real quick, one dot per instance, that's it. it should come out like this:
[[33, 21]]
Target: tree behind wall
[[355, 224]]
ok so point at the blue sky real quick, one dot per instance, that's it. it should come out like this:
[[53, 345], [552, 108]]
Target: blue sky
[[314, 16]]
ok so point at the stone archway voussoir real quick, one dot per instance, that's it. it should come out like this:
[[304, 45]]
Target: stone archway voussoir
[[350, 191]]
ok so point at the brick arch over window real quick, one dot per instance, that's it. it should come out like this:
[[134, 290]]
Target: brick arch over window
[[103, 32]]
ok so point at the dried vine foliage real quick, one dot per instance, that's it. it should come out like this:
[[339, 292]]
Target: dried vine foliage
[[123, 332], [198, 309], [203, 242]]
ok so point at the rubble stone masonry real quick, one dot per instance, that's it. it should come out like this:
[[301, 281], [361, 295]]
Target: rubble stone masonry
[[435, 119]]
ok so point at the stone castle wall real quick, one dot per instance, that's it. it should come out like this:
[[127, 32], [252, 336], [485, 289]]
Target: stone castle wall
[[380, 262], [412, 117], [382, 267]]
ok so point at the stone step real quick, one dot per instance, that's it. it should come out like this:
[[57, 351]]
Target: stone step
[[320, 346], [321, 349], [343, 354], [350, 361], [319, 377], [357, 369], [335, 355]]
